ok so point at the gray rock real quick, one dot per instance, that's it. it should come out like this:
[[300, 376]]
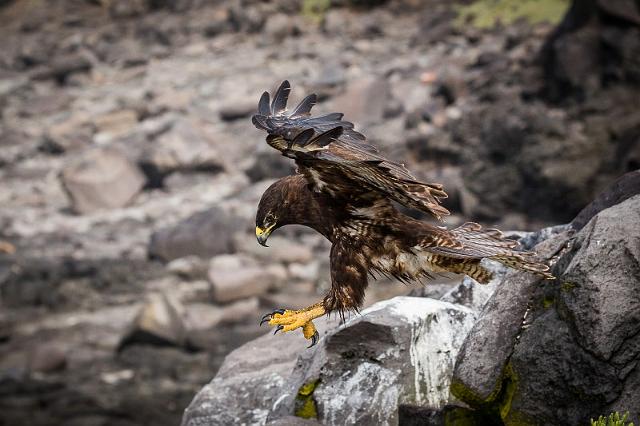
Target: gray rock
[[202, 316], [397, 351], [238, 283], [47, 358], [364, 101], [236, 109], [279, 26], [184, 147], [203, 234], [284, 250], [269, 165], [101, 179], [62, 67], [72, 134], [623, 188], [473, 295], [514, 359], [159, 322], [235, 277], [126, 8], [249, 383], [189, 267], [116, 123]]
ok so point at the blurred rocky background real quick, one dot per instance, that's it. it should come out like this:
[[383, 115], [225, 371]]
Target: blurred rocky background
[[130, 174]]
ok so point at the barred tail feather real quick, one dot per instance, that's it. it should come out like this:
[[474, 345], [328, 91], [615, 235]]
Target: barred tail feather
[[473, 242], [476, 271]]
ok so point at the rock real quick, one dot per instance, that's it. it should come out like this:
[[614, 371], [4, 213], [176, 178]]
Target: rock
[[364, 101], [279, 26], [305, 272], [184, 147], [527, 150], [126, 8], [331, 74], [284, 250], [204, 234], [623, 188], [14, 146], [159, 322], [267, 165], [254, 375], [116, 123], [293, 421], [235, 277], [297, 295], [236, 109], [101, 179], [202, 316], [399, 351], [513, 361], [48, 358], [595, 41], [61, 68], [246, 19], [75, 133], [188, 267]]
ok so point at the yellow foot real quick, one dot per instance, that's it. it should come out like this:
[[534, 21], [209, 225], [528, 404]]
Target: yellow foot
[[287, 320]]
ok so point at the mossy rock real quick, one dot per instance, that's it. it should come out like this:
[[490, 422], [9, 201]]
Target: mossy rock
[[486, 14]]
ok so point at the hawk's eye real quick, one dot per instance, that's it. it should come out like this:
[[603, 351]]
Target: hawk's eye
[[269, 220]]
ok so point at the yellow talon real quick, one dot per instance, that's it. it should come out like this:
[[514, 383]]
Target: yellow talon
[[288, 320]]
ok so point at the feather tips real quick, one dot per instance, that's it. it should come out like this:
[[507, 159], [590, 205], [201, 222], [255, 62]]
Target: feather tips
[[280, 99]]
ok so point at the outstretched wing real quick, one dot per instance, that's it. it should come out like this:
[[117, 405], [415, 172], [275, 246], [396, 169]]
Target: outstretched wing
[[336, 159]]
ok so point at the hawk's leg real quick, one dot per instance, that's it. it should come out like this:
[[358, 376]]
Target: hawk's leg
[[287, 320]]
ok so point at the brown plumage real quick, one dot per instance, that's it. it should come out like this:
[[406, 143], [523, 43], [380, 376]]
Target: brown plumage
[[344, 190]]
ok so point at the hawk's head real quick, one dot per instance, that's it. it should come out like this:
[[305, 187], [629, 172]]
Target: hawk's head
[[278, 207]]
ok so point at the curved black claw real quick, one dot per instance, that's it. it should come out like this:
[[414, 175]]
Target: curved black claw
[[278, 328], [267, 317], [314, 340]]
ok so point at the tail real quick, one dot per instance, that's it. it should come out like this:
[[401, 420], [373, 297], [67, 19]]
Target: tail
[[476, 244]]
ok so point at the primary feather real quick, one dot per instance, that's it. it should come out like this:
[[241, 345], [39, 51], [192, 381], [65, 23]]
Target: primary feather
[[348, 162]]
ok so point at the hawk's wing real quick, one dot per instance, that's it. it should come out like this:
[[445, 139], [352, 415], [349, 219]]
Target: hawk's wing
[[336, 159]]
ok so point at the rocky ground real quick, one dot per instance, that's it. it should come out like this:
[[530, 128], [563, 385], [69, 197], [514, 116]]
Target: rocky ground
[[130, 172]]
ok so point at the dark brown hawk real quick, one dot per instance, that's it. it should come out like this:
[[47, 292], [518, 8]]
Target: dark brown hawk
[[344, 190]]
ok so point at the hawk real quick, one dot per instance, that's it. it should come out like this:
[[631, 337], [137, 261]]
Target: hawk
[[344, 189]]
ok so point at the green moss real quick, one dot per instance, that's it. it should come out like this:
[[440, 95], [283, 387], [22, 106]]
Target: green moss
[[490, 13], [314, 10], [567, 286], [510, 385], [614, 419], [305, 406], [465, 394], [498, 405], [548, 302], [460, 417]]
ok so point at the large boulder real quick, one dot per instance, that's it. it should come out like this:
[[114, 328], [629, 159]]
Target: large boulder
[[249, 383], [562, 351], [623, 188], [204, 234], [102, 179], [399, 351], [596, 44]]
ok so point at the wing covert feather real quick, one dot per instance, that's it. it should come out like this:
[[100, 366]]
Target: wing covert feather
[[334, 157]]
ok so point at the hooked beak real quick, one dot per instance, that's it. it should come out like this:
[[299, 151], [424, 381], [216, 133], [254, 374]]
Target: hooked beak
[[263, 234]]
